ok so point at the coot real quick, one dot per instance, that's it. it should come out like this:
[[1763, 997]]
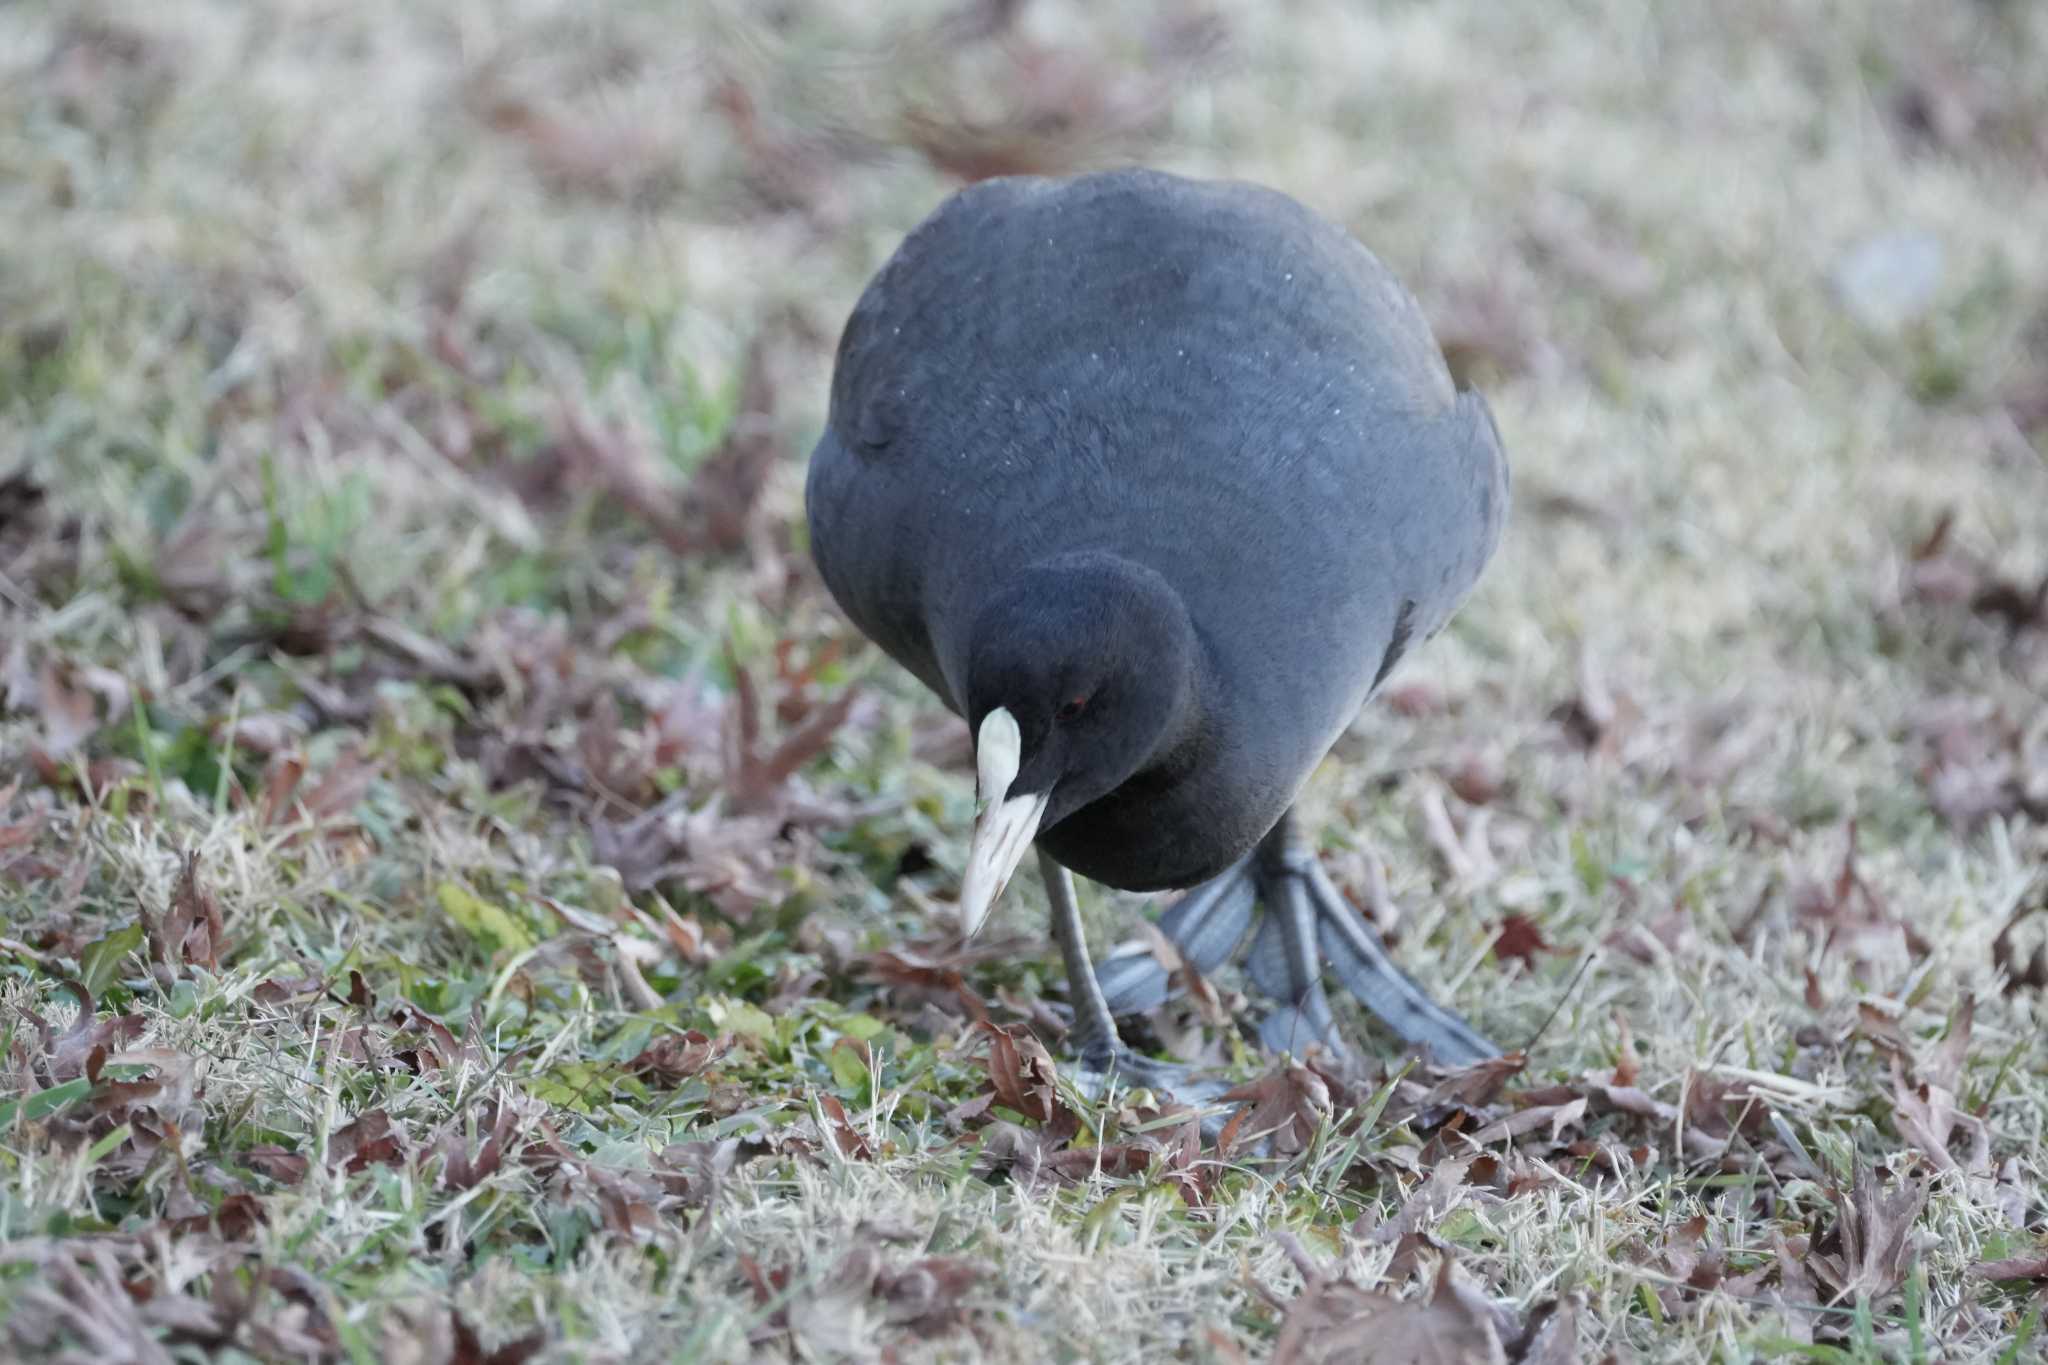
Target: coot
[[1153, 480]]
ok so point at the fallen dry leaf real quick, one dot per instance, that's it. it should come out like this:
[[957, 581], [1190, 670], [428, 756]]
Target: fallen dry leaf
[[1852, 913], [1924, 1108], [1287, 1105], [66, 1055], [929, 1295], [1555, 1117], [1425, 1208], [1870, 1246], [1334, 1320], [931, 970], [1472, 1087], [191, 930], [1519, 940], [468, 1348], [1979, 763], [1943, 573], [2033, 1268], [676, 1058], [460, 1170], [367, 1141], [1021, 1073], [850, 1141], [1628, 1065]]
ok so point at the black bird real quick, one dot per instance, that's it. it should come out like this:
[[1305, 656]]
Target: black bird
[[1153, 480]]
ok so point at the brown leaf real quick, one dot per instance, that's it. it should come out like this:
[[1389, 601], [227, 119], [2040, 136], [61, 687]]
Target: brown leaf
[[2033, 1268], [21, 833], [1597, 717], [674, 1059], [1688, 1260], [1022, 1075], [66, 1055], [1473, 1087], [731, 841], [368, 1141], [1816, 1000], [929, 1295], [1059, 109], [930, 969], [1880, 1026], [1653, 941], [851, 1142], [1852, 912], [1477, 778], [469, 1349], [1425, 1208], [1628, 1065], [1978, 764], [693, 1172], [1337, 1321], [335, 793], [191, 931], [685, 935], [68, 709], [279, 990], [1943, 573], [1484, 331], [752, 778], [237, 1216], [1286, 1104], [1550, 1336], [610, 458], [1519, 940], [461, 1171], [1869, 1248], [578, 153], [1718, 1106], [268, 1159], [1557, 1117], [1330, 1322], [626, 1213], [724, 494], [1925, 1111]]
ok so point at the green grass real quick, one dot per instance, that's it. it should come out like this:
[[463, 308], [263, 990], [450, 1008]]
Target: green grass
[[402, 416]]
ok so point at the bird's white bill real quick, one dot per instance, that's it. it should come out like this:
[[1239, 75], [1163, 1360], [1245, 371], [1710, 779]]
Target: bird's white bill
[[1007, 824], [1001, 835]]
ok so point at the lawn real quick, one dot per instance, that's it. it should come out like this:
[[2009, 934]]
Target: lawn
[[465, 895]]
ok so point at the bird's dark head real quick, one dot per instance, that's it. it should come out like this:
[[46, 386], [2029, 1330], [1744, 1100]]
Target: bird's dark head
[[1081, 673]]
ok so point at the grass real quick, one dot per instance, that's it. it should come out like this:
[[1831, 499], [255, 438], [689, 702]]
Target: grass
[[402, 415]]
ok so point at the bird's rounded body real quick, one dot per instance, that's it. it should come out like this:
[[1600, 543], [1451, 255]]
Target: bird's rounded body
[[1202, 378]]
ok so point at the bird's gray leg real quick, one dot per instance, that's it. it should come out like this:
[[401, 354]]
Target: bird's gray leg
[[1289, 873], [1304, 1014], [1095, 1037]]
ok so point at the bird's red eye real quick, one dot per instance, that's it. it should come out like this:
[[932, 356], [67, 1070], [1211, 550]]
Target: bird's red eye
[[1073, 708]]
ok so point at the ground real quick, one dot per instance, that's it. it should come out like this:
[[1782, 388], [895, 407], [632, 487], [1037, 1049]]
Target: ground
[[465, 894]]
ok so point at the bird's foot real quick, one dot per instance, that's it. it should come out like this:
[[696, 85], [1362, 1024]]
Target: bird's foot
[[1101, 1072], [1100, 1067], [1304, 906], [1305, 927]]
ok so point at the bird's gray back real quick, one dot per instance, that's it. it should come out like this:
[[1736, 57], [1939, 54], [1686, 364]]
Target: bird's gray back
[[1188, 373]]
